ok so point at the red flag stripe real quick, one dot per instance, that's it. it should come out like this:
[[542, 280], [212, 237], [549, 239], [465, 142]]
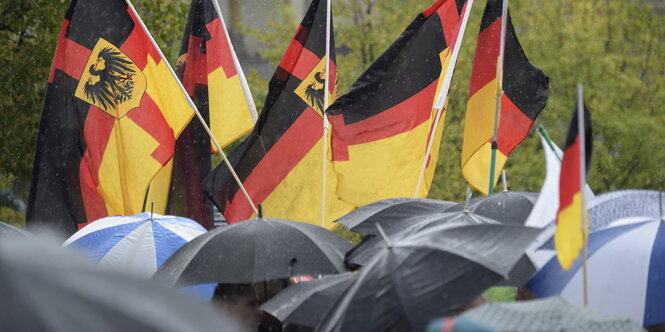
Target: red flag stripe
[[569, 184], [450, 22], [70, 57], [219, 51], [514, 126], [196, 71], [150, 118], [137, 44], [484, 62]]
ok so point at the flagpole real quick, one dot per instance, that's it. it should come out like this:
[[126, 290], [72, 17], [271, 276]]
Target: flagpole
[[243, 81], [585, 226], [191, 104], [443, 93], [499, 78], [326, 102], [543, 133]]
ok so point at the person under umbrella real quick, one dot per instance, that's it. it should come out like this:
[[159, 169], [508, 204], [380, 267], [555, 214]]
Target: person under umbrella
[[426, 275]]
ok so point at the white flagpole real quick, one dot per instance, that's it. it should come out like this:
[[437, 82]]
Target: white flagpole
[[326, 102], [198, 114], [241, 74], [581, 132], [443, 93], [499, 79]]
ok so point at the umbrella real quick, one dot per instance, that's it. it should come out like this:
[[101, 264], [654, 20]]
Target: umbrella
[[391, 213], [625, 273], [427, 275], [254, 251], [48, 288], [507, 207], [305, 303], [7, 230], [136, 244], [552, 314]]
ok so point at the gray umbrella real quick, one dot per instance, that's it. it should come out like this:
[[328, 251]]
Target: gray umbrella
[[429, 274], [507, 207], [551, 314], [305, 303], [254, 251], [392, 213], [48, 288]]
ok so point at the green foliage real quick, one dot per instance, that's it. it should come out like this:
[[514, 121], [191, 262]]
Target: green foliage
[[500, 294]]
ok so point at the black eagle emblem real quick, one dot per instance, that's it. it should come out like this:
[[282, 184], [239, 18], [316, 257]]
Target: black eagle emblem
[[316, 96], [111, 79]]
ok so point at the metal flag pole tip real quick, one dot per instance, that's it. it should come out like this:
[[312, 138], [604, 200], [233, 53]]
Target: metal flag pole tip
[[505, 183], [384, 236], [260, 212], [152, 208], [467, 200]]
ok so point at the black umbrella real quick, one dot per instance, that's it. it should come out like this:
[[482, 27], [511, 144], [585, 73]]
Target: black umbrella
[[7, 230], [48, 288], [254, 251], [507, 207], [429, 274], [392, 213], [305, 303]]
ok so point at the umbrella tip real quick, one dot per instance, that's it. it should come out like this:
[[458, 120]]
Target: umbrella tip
[[152, 207], [260, 207], [467, 199]]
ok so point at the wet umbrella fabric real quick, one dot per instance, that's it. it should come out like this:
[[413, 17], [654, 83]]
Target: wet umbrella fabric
[[371, 245], [254, 251], [391, 213], [305, 303], [48, 288], [137, 244], [552, 314], [625, 273], [7, 230], [511, 208], [427, 275]]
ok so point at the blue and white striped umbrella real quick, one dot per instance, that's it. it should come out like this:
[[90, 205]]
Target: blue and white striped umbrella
[[626, 272], [137, 244]]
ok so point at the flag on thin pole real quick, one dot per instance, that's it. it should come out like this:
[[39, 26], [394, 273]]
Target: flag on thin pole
[[382, 128], [280, 161], [212, 76], [112, 112], [523, 94], [572, 228]]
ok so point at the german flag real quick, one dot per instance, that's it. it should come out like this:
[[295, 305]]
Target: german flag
[[525, 92], [212, 76], [111, 115], [280, 161], [381, 127], [570, 235]]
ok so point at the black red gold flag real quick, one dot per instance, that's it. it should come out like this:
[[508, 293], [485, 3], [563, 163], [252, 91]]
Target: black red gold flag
[[280, 161], [212, 76], [525, 95], [569, 237], [382, 126], [111, 115]]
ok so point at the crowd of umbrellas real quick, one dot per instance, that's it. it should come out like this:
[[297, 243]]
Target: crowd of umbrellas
[[422, 264]]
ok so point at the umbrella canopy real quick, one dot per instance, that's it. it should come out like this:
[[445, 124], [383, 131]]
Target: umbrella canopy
[[305, 303], [7, 230], [254, 251], [136, 244], [48, 288], [625, 273], [512, 208], [552, 314], [391, 213], [427, 275]]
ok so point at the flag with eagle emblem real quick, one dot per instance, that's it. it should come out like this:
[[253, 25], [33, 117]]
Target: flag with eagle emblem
[[524, 95], [280, 161], [382, 126], [212, 76], [111, 115]]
